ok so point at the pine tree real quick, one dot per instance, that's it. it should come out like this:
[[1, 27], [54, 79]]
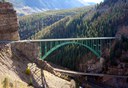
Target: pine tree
[[3, 1]]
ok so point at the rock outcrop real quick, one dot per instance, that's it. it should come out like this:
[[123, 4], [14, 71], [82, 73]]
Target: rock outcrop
[[30, 50], [8, 22]]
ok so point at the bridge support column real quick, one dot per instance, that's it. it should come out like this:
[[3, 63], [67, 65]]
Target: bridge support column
[[41, 53], [100, 45], [45, 48]]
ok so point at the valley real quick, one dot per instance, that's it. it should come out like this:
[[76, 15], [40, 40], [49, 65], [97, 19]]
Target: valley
[[66, 46]]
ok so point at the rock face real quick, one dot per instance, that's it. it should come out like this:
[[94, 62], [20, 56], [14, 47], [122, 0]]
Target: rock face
[[13, 64], [8, 22], [30, 50]]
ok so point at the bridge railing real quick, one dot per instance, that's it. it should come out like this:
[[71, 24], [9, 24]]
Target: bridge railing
[[63, 39]]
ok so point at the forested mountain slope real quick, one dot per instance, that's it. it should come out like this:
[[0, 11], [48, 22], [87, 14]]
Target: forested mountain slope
[[105, 20], [31, 24]]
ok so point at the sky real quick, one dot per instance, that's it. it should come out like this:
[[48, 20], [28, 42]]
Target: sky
[[95, 1]]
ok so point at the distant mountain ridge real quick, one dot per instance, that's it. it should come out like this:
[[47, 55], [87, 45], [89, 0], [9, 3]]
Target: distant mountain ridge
[[108, 19], [26, 7]]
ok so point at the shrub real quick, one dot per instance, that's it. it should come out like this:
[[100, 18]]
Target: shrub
[[118, 53], [28, 71], [6, 83]]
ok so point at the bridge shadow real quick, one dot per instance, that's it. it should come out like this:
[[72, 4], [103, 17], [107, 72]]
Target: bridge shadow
[[20, 64]]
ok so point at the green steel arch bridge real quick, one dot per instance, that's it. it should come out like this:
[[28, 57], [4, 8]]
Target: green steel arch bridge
[[94, 45], [48, 46]]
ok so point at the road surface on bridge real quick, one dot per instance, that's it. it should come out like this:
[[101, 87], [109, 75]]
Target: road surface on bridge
[[63, 39]]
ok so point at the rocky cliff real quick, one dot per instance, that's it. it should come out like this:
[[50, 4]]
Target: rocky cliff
[[8, 22]]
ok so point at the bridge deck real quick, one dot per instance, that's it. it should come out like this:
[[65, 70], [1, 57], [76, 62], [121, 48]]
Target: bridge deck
[[63, 39], [87, 74]]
